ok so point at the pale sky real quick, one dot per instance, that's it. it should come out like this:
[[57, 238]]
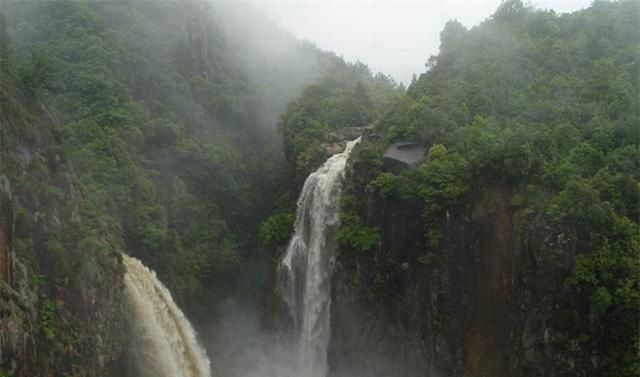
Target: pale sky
[[393, 37]]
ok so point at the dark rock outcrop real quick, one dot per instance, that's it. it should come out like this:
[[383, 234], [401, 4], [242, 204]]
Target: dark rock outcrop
[[378, 310], [400, 156], [338, 139], [474, 307]]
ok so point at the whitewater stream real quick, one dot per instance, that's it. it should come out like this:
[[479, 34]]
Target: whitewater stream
[[304, 276], [163, 342]]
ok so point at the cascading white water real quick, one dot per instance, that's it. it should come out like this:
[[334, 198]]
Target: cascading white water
[[305, 271], [163, 343]]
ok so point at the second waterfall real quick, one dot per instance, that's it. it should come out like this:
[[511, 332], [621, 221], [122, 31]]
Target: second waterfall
[[163, 342], [304, 276]]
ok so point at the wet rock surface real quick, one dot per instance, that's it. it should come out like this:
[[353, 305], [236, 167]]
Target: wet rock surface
[[60, 302], [475, 307]]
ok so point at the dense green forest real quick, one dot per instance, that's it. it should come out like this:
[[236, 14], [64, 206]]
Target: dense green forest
[[46, 279], [143, 128], [165, 131], [149, 122], [157, 126], [545, 106]]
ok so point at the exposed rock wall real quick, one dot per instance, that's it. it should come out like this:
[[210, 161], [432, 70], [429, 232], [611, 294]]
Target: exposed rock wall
[[60, 295], [17, 308], [18, 299], [6, 221], [398, 311], [380, 307]]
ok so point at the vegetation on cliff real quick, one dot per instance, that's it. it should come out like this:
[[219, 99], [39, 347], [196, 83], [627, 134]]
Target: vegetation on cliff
[[60, 289], [148, 128], [545, 106], [347, 96], [166, 127], [344, 96], [145, 116]]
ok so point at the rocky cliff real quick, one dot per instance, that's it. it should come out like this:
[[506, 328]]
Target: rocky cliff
[[506, 252], [481, 304], [60, 290]]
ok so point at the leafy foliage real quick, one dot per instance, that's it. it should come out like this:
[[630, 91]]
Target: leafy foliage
[[347, 95], [547, 105], [276, 229], [353, 233], [156, 129], [442, 177], [168, 134]]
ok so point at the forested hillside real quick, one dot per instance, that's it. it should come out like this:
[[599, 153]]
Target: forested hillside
[[60, 290], [181, 133], [527, 203], [142, 128]]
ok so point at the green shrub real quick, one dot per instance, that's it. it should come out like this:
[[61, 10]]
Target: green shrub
[[47, 319], [276, 229], [356, 235]]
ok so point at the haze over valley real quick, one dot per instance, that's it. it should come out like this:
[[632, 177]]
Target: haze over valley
[[203, 188]]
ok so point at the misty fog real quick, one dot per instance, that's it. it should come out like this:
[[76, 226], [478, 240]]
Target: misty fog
[[319, 188]]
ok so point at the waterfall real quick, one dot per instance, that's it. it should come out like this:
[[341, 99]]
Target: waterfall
[[304, 276], [163, 343]]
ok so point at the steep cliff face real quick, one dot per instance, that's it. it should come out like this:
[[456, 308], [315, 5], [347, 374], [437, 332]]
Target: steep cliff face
[[6, 220], [381, 301], [506, 252], [471, 308], [60, 286], [17, 306], [60, 304]]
